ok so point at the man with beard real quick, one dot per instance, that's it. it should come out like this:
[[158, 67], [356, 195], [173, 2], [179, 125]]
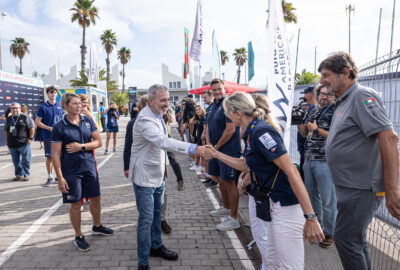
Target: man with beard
[[363, 157], [318, 179], [147, 171], [19, 131]]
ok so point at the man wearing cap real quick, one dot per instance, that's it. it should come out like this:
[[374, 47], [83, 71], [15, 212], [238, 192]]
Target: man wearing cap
[[308, 106], [363, 157]]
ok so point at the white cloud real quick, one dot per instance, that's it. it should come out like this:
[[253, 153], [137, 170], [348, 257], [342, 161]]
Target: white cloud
[[28, 8]]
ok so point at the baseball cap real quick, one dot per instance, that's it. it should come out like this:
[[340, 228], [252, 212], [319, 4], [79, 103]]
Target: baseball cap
[[308, 90]]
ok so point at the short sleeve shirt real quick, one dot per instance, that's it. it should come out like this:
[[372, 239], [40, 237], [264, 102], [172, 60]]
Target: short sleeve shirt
[[352, 149], [65, 132], [111, 119], [51, 115], [216, 121], [315, 143], [102, 112], [263, 146], [17, 129]]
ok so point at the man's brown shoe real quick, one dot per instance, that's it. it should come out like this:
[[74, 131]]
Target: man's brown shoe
[[26, 178], [165, 227], [17, 178], [327, 242]]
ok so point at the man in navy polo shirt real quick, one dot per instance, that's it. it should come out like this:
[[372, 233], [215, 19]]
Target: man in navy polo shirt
[[223, 135], [74, 140], [48, 115]]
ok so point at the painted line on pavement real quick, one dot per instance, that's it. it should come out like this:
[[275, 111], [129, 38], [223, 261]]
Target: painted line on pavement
[[11, 164], [35, 226], [246, 262]]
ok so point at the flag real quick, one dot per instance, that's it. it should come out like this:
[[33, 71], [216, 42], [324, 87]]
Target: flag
[[195, 48], [250, 61], [216, 57], [279, 68], [93, 70], [186, 66]]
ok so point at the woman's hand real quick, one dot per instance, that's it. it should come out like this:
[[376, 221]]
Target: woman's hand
[[62, 185], [312, 231], [210, 149], [241, 182], [73, 147]]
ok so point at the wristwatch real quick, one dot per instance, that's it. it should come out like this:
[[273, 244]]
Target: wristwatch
[[31, 139], [83, 148], [310, 216], [317, 130]]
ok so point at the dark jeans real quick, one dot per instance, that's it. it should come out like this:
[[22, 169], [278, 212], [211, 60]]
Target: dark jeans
[[103, 123], [302, 160], [356, 208], [175, 166]]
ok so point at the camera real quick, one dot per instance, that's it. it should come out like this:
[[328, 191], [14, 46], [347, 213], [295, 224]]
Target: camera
[[299, 111]]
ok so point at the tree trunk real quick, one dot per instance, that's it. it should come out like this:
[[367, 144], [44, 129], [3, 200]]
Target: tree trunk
[[83, 48], [238, 77], [20, 65], [123, 77], [108, 69]]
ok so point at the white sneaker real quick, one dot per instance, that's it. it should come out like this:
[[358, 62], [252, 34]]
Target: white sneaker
[[193, 168], [220, 212], [228, 224], [82, 208]]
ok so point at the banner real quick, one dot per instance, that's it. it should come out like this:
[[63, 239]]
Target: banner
[[186, 66], [279, 68], [93, 77], [195, 48], [250, 61], [216, 54]]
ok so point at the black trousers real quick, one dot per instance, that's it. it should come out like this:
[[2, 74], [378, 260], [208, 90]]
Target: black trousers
[[103, 123], [175, 166]]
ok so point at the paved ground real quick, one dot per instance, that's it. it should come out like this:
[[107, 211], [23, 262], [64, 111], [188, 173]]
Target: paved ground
[[36, 226]]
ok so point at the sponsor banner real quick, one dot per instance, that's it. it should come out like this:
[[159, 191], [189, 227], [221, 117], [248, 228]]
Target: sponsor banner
[[195, 49], [279, 68], [186, 66], [216, 54], [250, 61], [13, 90]]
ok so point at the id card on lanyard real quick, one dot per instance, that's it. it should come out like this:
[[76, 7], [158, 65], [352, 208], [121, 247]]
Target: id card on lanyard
[[13, 129]]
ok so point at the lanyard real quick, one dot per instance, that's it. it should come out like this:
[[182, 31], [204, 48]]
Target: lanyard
[[16, 121], [248, 136]]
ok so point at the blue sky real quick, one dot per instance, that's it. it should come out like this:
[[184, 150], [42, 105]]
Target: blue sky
[[153, 31]]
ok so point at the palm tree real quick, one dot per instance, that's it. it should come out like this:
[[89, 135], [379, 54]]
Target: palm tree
[[85, 13], [19, 47], [108, 39], [224, 57], [124, 55], [120, 99], [288, 14], [306, 77], [83, 80], [240, 59]]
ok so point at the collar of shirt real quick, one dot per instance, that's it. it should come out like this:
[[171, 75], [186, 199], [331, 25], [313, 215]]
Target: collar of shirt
[[347, 92], [246, 133], [159, 118], [67, 122], [219, 102]]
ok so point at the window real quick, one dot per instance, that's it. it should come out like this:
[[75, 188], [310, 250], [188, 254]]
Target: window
[[174, 84], [94, 103], [176, 98], [171, 99], [178, 84], [170, 84]]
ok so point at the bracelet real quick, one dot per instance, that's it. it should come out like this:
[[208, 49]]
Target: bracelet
[[317, 130]]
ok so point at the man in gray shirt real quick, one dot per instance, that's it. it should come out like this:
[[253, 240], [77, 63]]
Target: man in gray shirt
[[363, 157]]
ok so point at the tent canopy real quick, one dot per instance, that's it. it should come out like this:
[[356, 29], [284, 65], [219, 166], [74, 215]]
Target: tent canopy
[[230, 88]]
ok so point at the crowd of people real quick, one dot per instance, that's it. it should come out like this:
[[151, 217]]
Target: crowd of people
[[349, 162]]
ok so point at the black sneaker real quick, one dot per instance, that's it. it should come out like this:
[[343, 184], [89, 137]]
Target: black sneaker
[[208, 181], [212, 185], [81, 243], [102, 230]]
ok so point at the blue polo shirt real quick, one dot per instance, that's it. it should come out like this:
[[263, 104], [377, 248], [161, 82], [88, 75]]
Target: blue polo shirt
[[112, 121], [50, 115], [263, 145], [216, 121], [65, 132]]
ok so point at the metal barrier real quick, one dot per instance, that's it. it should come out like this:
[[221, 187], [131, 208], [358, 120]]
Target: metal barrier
[[383, 234]]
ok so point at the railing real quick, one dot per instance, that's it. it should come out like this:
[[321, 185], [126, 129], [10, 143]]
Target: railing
[[383, 234]]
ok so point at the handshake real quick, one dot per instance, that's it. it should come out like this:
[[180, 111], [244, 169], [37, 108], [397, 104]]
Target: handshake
[[207, 151]]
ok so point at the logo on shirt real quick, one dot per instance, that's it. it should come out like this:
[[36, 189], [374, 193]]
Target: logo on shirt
[[268, 141], [369, 100]]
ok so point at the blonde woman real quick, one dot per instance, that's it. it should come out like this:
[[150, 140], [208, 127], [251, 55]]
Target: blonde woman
[[87, 107], [280, 201]]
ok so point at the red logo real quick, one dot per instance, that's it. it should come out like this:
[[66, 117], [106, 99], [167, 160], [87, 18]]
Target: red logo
[[8, 97]]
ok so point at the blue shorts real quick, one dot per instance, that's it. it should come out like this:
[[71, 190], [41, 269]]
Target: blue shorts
[[47, 148], [218, 168], [113, 129], [85, 185]]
